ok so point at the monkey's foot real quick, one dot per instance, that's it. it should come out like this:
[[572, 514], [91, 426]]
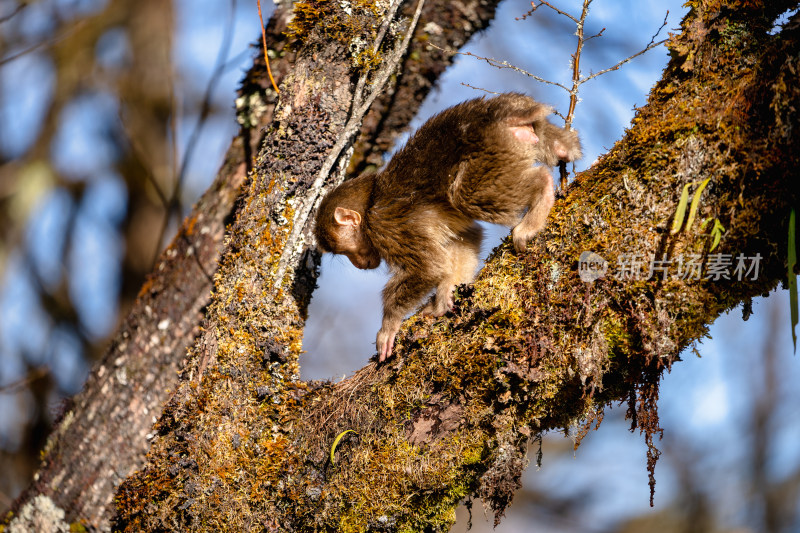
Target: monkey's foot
[[438, 307], [521, 236]]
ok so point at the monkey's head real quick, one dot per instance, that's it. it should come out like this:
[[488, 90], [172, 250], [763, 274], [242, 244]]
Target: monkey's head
[[340, 223]]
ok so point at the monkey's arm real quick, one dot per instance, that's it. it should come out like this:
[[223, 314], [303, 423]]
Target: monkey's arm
[[401, 294]]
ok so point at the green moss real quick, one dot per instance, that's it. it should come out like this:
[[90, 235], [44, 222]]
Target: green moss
[[528, 346], [353, 23]]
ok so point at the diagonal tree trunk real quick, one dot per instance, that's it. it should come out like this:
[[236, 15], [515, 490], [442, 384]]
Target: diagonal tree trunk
[[244, 444], [105, 435]]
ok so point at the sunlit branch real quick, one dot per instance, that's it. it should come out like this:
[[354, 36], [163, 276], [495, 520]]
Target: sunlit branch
[[534, 7], [501, 65], [478, 88], [266, 55]]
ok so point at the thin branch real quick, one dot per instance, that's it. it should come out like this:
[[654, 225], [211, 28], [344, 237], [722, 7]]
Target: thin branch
[[577, 79], [478, 88], [397, 54], [576, 83], [576, 67], [205, 108], [663, 25], [501, 65], [562, 117], [46, 43], [266, 55], [598, 34], [236, 61], [33, 375], [615, 67], [142, 154], [652, 44], [358, 93], [492, 92], [387, 19], [534, 7], [173, 147]]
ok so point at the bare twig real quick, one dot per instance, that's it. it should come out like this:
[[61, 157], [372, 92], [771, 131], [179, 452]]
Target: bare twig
[[33, 375], [42, 44], [266, 55], [362, 80], [598, 34], [561, 116], [576, 68], [142, 154], [652, 44], [615, 67], [174, 158], [663, 25], [501, 65], [577, 79], [478, 88], [534, 7], [576, 82]]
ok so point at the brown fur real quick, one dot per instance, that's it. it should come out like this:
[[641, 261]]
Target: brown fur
[[473, 161]]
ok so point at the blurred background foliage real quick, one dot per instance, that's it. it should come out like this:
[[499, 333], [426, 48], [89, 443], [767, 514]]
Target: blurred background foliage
[[114, 117]]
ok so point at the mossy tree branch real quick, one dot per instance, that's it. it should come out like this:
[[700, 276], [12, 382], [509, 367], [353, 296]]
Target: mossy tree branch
[[244, 444], [103, 436]]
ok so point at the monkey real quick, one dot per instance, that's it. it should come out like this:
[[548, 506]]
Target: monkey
[[471, 162]]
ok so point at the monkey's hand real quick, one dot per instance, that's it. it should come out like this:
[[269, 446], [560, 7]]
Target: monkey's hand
[[385, 342]]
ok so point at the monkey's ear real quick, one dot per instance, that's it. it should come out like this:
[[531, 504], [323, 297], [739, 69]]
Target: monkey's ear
[[346, 217]]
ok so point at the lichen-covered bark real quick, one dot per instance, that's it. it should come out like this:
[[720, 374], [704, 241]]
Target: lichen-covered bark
[[103, 437], [227, 417], [530, 347], [443, 26]]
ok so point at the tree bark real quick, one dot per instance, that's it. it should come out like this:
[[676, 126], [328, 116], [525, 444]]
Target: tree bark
[[104, 436], [244, 444]]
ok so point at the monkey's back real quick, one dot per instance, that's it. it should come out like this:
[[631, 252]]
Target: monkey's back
[[462, 164], [465, 158]]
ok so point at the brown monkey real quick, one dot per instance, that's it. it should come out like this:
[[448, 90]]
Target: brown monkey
[[473, 161]]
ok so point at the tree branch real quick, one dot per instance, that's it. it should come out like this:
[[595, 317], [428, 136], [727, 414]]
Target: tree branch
[[529, 347], [83, 452]]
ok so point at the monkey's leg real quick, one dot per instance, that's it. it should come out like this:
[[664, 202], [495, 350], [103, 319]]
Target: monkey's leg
[[401, 294], [463, 253], [542, 199]]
